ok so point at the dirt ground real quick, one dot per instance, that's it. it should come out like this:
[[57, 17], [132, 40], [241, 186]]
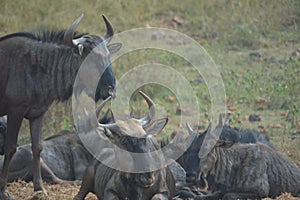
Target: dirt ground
[[24, 191]]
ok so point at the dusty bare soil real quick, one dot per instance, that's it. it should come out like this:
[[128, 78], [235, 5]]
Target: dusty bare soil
[[24, 191]]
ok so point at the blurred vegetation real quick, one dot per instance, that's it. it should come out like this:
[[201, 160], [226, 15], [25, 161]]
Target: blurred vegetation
[[255, 43]]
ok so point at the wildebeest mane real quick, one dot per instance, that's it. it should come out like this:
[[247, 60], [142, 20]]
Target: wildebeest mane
[[46, 35]]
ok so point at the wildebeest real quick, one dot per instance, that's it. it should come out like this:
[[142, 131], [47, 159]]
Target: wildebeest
[[191, 161], [38, 69], [247, 171], [109, 183], [244, 136], [63, 158]]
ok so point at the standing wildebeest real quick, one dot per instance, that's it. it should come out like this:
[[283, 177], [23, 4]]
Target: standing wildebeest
[[247, 171], [130, 135], [39, 69]]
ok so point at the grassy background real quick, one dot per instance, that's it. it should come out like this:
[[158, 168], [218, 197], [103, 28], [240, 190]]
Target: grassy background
[[253, 42]]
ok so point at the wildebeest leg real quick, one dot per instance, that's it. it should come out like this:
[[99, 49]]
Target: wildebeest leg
[[14, 121], [87, 183], [49, 177], [111, 195], [36, 132]]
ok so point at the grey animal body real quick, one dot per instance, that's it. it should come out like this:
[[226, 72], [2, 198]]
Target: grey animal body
[[247, 171], [39, 69], [250, 171], [190, 160], [63, 158], [132, 135]]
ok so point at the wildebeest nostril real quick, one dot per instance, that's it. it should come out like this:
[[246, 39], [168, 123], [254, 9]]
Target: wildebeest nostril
[[112, 92], [191, 177]]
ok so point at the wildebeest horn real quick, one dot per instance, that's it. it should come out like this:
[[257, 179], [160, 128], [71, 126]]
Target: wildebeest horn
[[68, 36], [144, 120], [149, 116], [208, 130], [191, 131], [99, 108], [227, 118], [220, 125], [109, 29]]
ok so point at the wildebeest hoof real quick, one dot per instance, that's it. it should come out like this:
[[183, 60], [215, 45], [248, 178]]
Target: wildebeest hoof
[[39, 195], [4, 196]]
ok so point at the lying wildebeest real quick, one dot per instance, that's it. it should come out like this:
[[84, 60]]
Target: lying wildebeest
[[246, 171], [190, 160], [38, 69], [129, 135], [244, 136], [63, 158]]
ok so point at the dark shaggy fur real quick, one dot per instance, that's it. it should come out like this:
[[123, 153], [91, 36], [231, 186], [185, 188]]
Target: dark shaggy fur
[[250, 171], [38, 69]]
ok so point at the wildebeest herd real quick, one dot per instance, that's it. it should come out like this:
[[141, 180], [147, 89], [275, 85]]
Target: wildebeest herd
[[38, 69]]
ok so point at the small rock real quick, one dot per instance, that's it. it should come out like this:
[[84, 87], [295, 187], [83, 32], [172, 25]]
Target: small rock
[[277, 126], [178, 20], [156, 35], [283, 114], [170, 98], [254, 118]]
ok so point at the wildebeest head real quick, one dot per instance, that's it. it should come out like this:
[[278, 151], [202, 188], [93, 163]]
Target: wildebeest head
[[3, 125], [191, 159], [97, 49], [136, 136]]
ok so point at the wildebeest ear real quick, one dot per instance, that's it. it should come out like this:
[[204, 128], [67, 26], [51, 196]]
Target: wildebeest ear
[[113, 48], [224, 143], [156, 126]]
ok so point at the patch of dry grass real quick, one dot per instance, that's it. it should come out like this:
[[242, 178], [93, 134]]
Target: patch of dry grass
[[22, 190]]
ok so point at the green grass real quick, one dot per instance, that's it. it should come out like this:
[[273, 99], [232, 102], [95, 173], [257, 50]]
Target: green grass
[[229, 30]]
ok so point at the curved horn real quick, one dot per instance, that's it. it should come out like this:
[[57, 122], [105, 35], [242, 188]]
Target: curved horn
[[220, 125], [226, 121], [149, 116], [191, 131], [109, 29], [68, 36], [98, 110], [208, 130]]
